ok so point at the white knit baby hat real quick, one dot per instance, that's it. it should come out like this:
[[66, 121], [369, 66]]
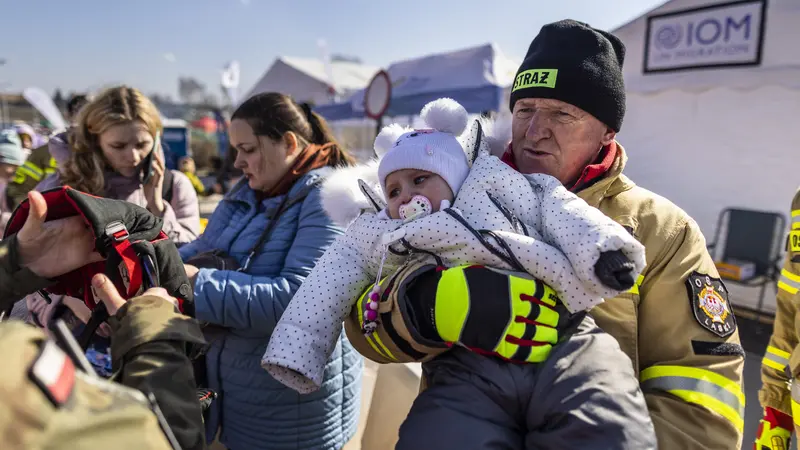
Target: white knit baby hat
[[435, 149]]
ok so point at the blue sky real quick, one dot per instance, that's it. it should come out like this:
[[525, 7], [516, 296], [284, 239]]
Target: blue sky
[[80, 44]]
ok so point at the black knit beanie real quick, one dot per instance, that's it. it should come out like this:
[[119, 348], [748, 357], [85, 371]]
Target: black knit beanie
[[577, 64]]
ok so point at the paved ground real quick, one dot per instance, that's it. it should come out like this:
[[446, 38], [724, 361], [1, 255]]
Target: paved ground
[[755, 336]]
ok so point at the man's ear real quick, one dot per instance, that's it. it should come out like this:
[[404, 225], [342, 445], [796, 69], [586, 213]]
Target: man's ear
[[608, 137], [290, 140]]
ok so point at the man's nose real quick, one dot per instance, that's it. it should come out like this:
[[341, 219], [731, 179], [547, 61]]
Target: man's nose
[[538, 128]]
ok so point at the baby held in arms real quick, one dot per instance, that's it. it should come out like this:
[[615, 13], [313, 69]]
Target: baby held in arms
[[439, 194]]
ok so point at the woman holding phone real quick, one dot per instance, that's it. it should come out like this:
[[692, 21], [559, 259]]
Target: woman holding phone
[[113, 151]]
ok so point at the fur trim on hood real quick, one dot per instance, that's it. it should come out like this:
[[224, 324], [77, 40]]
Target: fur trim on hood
[[342, 198], [497, 133]]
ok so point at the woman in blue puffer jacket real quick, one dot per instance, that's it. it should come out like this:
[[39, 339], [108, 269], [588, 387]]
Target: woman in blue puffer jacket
[[284, 150]]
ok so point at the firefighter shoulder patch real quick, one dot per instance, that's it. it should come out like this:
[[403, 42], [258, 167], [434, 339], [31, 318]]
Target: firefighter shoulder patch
[[708, 298]]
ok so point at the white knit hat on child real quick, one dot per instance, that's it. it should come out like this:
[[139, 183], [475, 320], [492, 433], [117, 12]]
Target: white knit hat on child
[[436, 149]]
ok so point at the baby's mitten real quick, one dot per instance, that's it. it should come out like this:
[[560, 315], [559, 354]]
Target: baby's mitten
[[615, 270]]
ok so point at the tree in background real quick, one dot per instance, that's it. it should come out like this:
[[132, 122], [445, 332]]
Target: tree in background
[[58, 99]]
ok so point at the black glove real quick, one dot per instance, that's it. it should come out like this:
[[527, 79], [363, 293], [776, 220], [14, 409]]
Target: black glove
[[615, 270]]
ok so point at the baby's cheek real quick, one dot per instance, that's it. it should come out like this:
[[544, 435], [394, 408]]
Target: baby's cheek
[[394, 209], [436, 201]]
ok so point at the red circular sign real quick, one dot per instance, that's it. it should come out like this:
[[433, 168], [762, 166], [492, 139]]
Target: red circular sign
[[378, 95]]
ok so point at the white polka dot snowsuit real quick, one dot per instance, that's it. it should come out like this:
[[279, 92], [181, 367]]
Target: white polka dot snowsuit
[[552, 234]]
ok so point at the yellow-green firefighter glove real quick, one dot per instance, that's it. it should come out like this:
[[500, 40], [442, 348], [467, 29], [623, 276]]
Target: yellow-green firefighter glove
[[507, 314]]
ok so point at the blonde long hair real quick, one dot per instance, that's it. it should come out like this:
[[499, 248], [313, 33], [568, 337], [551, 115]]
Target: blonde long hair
[[118, 105]]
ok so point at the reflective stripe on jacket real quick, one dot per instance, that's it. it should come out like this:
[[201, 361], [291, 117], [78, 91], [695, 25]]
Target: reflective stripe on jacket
[[781, 362]]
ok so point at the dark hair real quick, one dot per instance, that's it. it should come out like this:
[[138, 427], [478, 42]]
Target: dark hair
[[273, 114], [75, 103]]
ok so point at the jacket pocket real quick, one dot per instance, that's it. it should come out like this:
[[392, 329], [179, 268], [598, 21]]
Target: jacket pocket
[[619, 318]]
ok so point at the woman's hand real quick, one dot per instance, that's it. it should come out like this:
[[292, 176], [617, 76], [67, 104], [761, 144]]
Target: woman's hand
[[56, 247], [154, 187], [82, 312], [191, 272], [78, 308]]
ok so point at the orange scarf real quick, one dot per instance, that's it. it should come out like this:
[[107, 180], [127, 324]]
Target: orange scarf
[[310, 158]]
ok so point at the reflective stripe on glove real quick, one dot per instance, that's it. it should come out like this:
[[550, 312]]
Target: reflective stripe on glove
[[491, 311], [774, 431]]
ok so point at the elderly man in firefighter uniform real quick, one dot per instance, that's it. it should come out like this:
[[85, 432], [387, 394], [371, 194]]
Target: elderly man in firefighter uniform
[[675, 324], [780, 393]]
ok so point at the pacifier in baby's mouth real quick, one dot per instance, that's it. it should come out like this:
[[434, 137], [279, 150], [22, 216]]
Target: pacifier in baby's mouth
[[418, 206]]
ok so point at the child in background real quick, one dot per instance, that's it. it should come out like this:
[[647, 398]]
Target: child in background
[[12, 155], [187, 166]]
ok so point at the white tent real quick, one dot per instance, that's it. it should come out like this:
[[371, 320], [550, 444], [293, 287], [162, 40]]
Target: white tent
[[307, 81], [477, 77], [710, 138]]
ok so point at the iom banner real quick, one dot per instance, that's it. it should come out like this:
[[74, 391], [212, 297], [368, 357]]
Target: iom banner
[[724, 34]]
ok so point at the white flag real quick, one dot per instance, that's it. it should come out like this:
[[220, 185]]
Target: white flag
[[44, 104], [230, 80], [326, 61]]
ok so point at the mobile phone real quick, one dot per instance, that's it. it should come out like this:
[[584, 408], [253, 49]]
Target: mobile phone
[[150, 278], [147, 164]]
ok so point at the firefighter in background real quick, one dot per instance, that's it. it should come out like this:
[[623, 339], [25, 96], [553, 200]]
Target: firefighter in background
[[779, 395], [26, 134], [42, 162], [12, 156]]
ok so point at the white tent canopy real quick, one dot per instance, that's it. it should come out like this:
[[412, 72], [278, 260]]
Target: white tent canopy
[[306, 80], [705, 138], [447, 74], [477, 77]]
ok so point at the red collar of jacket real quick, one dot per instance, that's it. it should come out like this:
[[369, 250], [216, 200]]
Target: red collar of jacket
[[591, 173]]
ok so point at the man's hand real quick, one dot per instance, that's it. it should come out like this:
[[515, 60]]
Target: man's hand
[[104, 289], [53, 248]]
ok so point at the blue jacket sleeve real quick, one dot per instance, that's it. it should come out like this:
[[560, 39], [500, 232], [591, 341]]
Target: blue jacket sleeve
[[242, 301], [195, 247]]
